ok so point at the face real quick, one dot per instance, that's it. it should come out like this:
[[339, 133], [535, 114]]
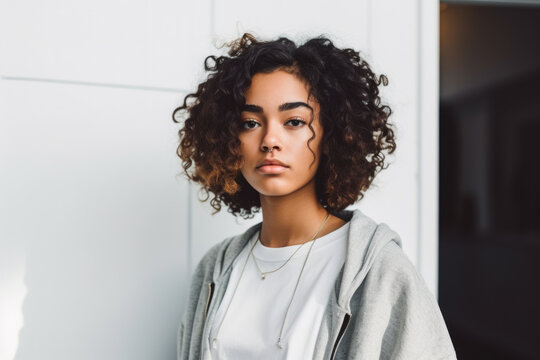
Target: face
[[276, 116]]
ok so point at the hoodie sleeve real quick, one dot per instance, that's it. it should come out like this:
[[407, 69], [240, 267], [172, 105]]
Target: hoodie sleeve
[[397, 316]]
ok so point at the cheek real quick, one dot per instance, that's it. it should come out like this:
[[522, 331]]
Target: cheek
[[307, 158], [308, 145], [247, 153], [244, 146]]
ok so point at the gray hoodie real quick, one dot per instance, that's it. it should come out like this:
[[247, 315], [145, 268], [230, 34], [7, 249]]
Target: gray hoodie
[[381, 307]]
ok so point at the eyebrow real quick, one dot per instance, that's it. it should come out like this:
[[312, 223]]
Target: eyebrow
[[283, 107]]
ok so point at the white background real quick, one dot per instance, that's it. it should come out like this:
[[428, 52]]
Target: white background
[[99, 232]]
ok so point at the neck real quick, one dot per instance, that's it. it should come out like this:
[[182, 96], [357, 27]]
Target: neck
[[292, 219]]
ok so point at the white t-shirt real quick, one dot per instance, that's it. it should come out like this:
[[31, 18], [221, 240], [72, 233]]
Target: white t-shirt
[[253, 321]]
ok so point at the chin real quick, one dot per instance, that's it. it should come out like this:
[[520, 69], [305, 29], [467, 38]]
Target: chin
[[273, 191], [274, 188], [276, 185]]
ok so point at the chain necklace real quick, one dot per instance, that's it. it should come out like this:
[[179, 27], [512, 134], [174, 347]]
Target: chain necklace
[[263, 274], [214, 341]]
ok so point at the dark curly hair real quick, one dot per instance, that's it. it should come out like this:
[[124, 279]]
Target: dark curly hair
[[356, 131]]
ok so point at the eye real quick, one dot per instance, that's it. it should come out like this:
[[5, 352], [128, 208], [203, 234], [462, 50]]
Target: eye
[[247, 124], [296, 122]]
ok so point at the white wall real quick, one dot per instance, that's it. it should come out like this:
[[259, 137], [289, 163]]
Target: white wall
[[98, 234]]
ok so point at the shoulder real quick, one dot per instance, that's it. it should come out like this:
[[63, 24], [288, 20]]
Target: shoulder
[[393, 263], [207, 263], [396, 299], [220, 255], [394, 277]]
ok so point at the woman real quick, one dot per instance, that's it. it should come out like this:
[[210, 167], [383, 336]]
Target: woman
[[299, 133]]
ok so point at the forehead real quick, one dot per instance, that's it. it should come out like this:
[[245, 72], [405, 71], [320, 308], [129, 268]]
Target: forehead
[[276, 88]]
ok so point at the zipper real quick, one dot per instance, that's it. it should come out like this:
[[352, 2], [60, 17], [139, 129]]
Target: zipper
[[344, 326], [209, 299]]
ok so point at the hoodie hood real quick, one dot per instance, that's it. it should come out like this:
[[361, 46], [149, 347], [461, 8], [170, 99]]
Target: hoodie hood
[[367, 242]]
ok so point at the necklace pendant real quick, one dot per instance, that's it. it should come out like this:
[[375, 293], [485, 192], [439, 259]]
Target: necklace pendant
[[263, 276]]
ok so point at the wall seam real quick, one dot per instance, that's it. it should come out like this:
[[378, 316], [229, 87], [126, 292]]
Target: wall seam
[[88, 83], [213, 18], [419, 137], [369, 29]]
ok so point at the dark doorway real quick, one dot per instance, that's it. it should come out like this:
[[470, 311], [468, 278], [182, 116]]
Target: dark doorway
[[489, 208]]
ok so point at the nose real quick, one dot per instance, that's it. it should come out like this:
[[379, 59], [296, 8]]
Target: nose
[[267, 149], [271, 139]]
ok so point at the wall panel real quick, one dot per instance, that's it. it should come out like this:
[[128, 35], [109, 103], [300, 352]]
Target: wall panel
[[394, 52], [345, 21], [96, 219], [137, 43]]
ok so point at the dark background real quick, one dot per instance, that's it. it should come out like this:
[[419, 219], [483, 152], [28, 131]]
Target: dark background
[[489, 253]]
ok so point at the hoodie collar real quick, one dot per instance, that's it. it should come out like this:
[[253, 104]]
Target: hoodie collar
[[365, 239]]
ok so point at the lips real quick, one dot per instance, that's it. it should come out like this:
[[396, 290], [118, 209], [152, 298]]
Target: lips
[[272, 166], [271, 162]]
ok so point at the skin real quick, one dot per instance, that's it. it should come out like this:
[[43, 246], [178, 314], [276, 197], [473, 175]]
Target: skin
[[291, 213]]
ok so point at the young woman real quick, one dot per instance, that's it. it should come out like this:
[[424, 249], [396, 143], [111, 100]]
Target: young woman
[[299, 132]]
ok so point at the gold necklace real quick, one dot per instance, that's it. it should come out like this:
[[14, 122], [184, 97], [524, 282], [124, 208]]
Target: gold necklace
[[263, 274], [214, 341]]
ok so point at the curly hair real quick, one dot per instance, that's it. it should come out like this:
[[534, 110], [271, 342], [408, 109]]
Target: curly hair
[[356, 131]]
